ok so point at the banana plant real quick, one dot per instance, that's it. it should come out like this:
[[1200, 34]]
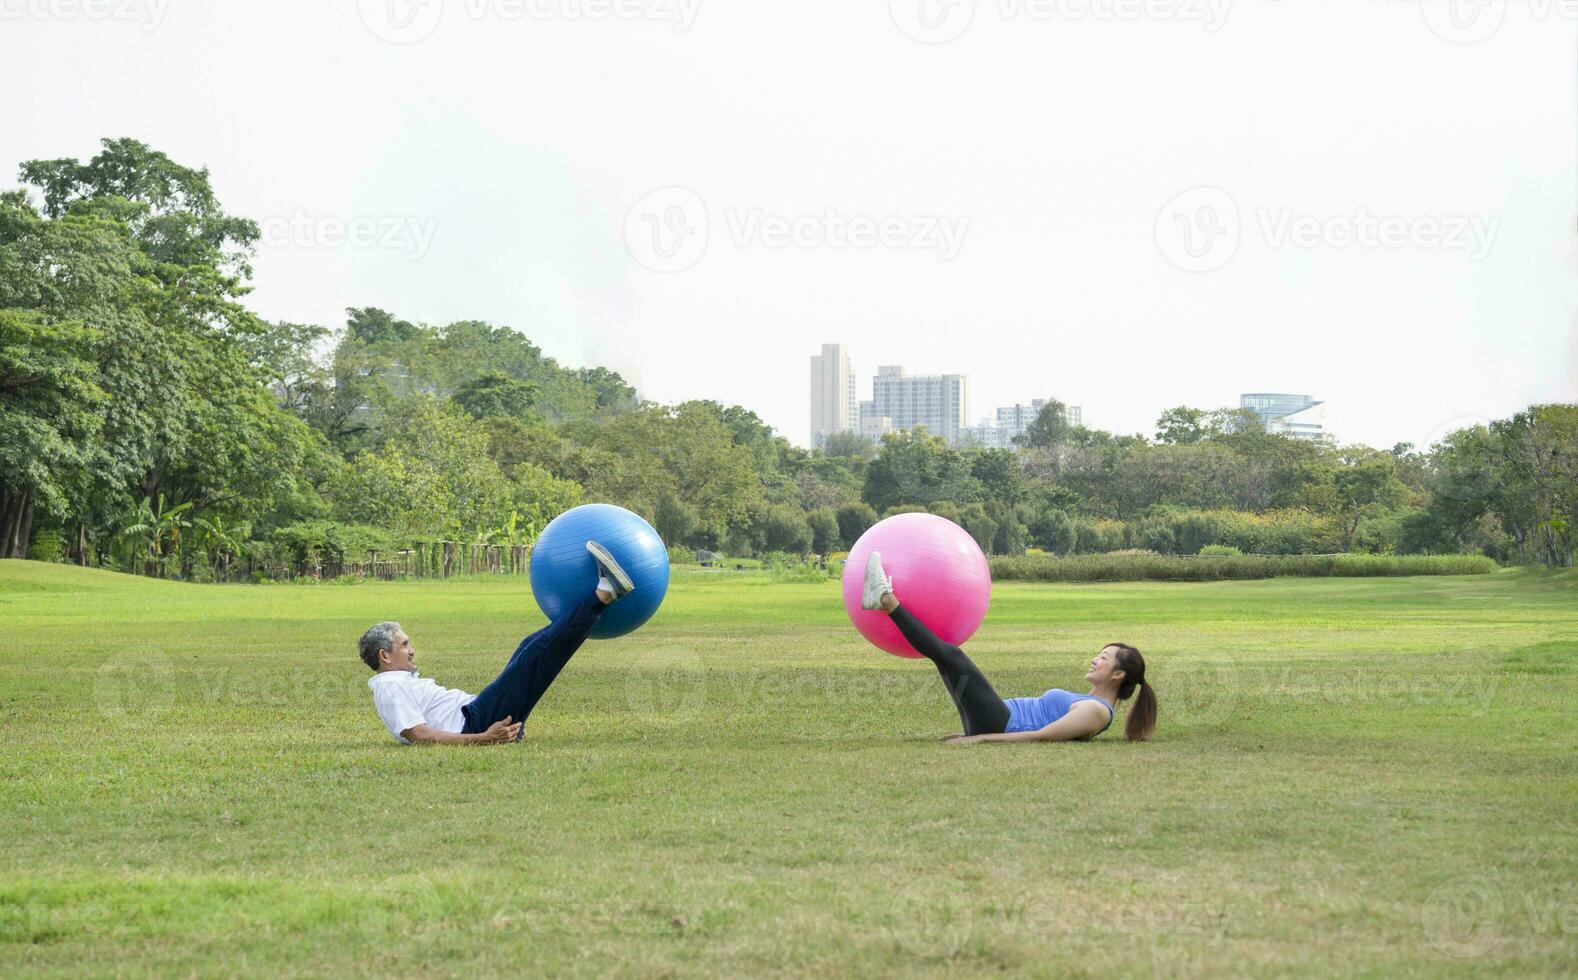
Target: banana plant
[[151, 526], [222, 543]]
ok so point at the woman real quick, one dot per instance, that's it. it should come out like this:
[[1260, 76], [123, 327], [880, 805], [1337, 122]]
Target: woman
[[1056, 716]]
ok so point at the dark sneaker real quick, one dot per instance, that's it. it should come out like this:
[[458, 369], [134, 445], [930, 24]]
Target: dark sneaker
[[610, 570]]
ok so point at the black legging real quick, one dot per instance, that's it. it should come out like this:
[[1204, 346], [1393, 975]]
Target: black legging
[[981, 711]]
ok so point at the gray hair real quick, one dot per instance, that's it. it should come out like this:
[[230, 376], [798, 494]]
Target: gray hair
[[380, 637]]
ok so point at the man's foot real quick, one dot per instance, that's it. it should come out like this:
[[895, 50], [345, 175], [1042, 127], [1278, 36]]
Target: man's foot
[[877, 583], [611, 578]]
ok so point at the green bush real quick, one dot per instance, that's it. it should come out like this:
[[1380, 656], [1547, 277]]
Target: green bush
[[1190, 568], [47, 545], [1220, 551]]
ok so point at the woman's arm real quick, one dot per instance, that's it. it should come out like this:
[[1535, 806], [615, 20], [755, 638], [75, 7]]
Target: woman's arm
[[1082, 721]]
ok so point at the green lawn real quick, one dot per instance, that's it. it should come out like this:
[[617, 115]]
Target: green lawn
[[1374, 776]]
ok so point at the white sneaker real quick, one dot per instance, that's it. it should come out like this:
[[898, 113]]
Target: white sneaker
[[877, 584]]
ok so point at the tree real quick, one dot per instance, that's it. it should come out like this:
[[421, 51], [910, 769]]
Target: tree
[[851, 445], [1001, 476], [1181, 426], [675, 520], [854, 520], [284, 354], [824, 530], [784, 528], [496, 394], [1049, 428], [1361, 488], [50, 421], [916, 468]]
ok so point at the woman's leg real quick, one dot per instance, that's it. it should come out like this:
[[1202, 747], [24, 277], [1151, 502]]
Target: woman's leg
[[981, 711]]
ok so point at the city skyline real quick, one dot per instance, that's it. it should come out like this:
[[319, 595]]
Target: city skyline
[[836, 406], [1015, 240]]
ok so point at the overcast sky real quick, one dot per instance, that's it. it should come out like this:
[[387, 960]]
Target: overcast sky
[[1125, 204]]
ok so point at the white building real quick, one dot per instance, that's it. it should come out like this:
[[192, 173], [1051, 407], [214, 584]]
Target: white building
[[1309, 423], [834, 407], [938, 401], [999, 431], [1298, 416]]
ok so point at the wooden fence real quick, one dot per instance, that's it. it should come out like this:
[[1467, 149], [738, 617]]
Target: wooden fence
[[440, 559]]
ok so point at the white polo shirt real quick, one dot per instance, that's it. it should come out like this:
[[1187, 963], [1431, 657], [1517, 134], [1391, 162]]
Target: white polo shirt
[[405, 699]]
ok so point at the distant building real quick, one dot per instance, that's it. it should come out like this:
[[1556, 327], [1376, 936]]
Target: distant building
[[834, 407], [999, 431], [937, 401], [1297, 416]]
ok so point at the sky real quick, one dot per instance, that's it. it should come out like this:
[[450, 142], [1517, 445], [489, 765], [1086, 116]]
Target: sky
[[1124, 204]]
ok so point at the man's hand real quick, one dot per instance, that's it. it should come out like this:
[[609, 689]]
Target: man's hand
[[500, 731]]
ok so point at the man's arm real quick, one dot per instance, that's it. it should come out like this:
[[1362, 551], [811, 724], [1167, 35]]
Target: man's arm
[[499, 731]]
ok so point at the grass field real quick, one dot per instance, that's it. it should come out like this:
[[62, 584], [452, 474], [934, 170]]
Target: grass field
[[1374, 776]]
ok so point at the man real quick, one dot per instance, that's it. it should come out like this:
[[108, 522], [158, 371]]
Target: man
[[417, 710]]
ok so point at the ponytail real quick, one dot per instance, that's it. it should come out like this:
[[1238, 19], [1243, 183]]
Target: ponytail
[[1142, 713]]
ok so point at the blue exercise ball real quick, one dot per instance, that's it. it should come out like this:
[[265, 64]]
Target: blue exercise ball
[[563, 572]]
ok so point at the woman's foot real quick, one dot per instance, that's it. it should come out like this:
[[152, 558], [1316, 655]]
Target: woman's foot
[[878, 585]]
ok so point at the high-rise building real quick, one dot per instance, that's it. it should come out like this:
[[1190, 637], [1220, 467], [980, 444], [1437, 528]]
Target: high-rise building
[[834, 407], [1298, 416], [937, 401]]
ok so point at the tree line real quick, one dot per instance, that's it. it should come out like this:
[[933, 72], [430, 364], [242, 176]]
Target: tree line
[[151, 422]]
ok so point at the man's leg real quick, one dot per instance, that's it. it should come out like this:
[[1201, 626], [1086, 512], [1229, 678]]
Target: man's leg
[[532, 668], [981, 711]]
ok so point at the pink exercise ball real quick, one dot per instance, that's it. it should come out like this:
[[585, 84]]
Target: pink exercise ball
[[938, 573]]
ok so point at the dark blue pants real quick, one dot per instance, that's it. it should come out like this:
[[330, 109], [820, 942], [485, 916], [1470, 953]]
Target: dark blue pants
[[532, 668]]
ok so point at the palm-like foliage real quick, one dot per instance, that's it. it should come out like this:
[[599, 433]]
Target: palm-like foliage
[[153, 527]]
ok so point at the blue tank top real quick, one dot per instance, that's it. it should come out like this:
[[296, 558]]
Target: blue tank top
[[1032, 714]]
